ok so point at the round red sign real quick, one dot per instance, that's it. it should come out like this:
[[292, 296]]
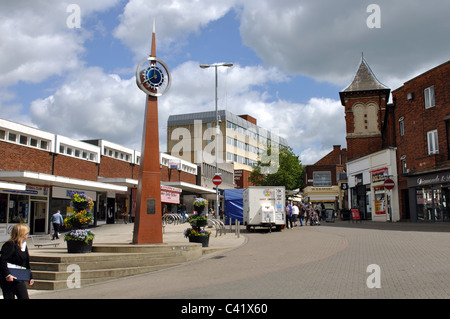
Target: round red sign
[[389, 184], [217, 180]]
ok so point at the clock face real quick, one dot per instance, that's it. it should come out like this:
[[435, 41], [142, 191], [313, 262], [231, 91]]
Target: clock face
[[153, 77]]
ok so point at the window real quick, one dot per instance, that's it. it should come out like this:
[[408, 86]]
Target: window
[[401, 123], [68, 151], [2, 134], [11, 137], [433, 145], [403, 164], [33, 142], [44, 145], [322, 179], [429, 97], [23, 140]]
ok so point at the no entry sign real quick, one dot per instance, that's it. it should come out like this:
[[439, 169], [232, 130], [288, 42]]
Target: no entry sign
[[389, 184], [217, 180]]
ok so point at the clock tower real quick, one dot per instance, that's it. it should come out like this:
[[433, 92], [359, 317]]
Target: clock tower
[[153, 78], [365, 101]]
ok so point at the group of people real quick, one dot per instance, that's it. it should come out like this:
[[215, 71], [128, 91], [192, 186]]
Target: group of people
[[303, 213]]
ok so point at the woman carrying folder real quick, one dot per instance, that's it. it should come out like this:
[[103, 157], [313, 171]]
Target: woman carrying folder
[[15, 258]]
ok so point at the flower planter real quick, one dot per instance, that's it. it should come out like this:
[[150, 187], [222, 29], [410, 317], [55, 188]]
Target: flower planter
[[79, 206], [78, 246], [204, 240], [199, 209], [202, 222]]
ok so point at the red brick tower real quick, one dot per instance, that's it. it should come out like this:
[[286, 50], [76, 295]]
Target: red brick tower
[[365, 102]]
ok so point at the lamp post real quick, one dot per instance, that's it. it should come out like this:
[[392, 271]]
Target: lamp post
[[215, 66]]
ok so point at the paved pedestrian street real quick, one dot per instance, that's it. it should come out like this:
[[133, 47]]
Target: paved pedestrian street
[[339, 260]]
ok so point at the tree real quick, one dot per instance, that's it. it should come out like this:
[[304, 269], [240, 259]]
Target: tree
[[289, 173]]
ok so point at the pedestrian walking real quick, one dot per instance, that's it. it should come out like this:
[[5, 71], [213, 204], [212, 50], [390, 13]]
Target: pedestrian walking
[[57, 221], [288, 215], [295, 213], [14, 256]]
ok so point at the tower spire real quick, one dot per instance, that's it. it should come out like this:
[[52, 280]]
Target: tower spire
[[153, 52]]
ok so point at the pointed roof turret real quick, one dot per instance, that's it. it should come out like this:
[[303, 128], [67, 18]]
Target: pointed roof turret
[[365, 80]]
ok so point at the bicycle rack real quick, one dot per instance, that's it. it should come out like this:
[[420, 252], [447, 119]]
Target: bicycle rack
[[219, 225]]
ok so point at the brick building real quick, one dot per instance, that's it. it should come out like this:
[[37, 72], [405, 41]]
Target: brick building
[[39, 170], [324, 180], [422, 135], [371, 153], [407, 141]]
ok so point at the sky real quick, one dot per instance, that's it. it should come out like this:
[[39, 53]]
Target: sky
[[68, 67]]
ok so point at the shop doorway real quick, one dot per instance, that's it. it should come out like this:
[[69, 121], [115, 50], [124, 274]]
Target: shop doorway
[[38, 215]]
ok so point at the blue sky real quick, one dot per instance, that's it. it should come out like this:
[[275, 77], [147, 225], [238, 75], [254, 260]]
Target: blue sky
[[291, 58]]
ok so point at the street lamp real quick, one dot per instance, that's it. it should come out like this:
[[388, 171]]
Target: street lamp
[[215, 66]]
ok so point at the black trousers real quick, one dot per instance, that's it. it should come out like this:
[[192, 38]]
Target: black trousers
[[14, 288], [55, 230], [289, 221]]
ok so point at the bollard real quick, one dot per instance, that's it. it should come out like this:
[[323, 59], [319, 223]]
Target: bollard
[[238, 228]]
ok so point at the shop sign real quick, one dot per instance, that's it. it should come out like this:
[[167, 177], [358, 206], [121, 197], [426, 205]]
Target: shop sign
[[379, 175], [170, 197], [355, 214], [430, 179], [31, 190], [62, 192], [380, 208]]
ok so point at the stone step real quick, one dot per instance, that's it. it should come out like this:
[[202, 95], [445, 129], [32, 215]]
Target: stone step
[[90, 276], [107, 262]]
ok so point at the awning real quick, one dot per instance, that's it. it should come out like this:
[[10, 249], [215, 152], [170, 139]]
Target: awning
[[13, 186], [190, 187], [128, 182], [26, 177]]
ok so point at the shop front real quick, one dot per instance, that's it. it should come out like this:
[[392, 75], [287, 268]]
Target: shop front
[[329, 196], [429, 197], [366, 180], [29, 206]]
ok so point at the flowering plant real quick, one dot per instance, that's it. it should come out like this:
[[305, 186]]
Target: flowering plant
[[81, 201], [84, 235], [78, 219], [196, 232], [200, 202], [82, 206], [197, 220]]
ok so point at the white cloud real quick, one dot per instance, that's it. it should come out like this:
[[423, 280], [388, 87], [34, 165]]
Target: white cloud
[[323, 39], [92, 104], [175, 20], [36, 43]]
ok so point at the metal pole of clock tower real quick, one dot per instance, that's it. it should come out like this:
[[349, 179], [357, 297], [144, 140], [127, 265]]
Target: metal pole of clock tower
[[216, 65]]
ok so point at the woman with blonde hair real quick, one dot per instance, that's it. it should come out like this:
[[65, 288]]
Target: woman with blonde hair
[[14, 254]]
